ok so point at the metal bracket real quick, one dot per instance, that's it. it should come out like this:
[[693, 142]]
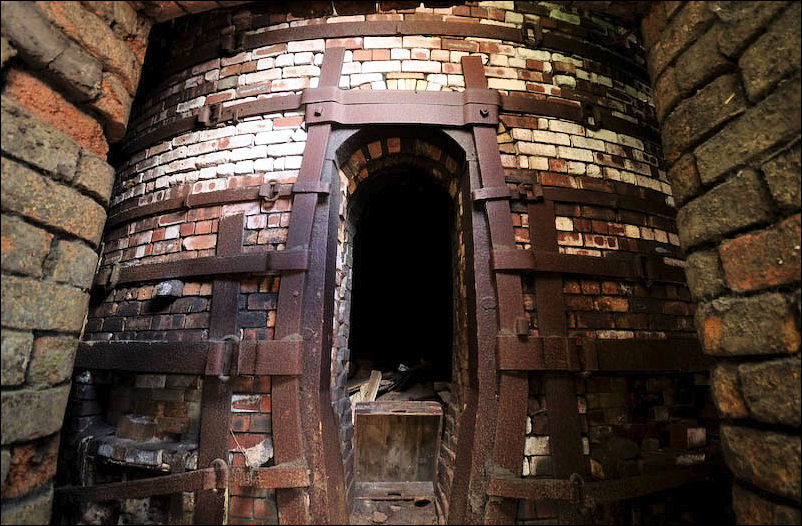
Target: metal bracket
[[591, 116], [210, 115], [531, 34]]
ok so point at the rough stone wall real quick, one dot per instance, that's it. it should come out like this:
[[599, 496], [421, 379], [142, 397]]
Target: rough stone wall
[[70, 70], [727, 91]]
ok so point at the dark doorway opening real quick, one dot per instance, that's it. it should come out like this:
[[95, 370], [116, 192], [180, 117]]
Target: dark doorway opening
[[402, 306]]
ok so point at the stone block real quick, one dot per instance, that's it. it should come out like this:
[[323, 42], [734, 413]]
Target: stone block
[[726, 392], [666, 93], [684, 177], [46, 201], [25, 246], [765, 258], [114, 104], [74, 264], [18, 407], [33, 510], [762, 324], [774, 119], [735, 204], [95, 177], [29, 304], [37, 143], [773, 56], [78, 73], [771, 390], [686, 26], [7, 51], [743, 20], [751, 508], [767, 459], [15, 350], [52, 360], [783, 175], [31, 466], [705, 277], [697, 116]]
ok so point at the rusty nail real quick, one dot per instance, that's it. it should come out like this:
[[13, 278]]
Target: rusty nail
[[484, 112]]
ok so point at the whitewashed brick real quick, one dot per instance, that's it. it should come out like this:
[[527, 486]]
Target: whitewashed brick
[[626, 140], [293, 84], [265, 63], [304, 58], [399, 54], [236, 59], [522, 134], [566, 127], [287, 59], [498, 60], [378, 85], [213, 158], [259, 76], [424, 66], [299, 135], [506, 84], [362, 78], [421, 42], [197, 102], [351, 67], [381, 66], [290, 148], [263, 165], [255, 126], [300, 71], [306, 45], [550, 137], [248, 153], [575, 154], [437, 78], [603, 135], [293, 162], [564, 80], [382, 42], [590, 144], [456, 80], [536, 446], [243, 167], [535, 54], [539, 163], [212, 75]]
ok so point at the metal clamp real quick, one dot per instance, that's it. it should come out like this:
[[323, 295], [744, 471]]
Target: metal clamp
[[220, 474], [591, 116], [210, 115], [577, 484], [269, 192], [531, 34]]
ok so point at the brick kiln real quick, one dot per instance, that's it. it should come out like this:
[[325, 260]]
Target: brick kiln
[[387, 261]]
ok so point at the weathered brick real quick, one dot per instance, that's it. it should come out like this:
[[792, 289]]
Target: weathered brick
[[666, 93], [763, 259], [774, 55], [771, 390], [77, 73], [31, 467], [705, 277], [743, 21], [37, 143], [684, 177], [33, 510], [726, 392], [29, 304], [96, 37], [7, 51], [766, 459], [701, 62], [114, 104], [693, 118], [18, 406], [730, 206], [774, 119], [74, 264], [688, 23], [95, 176], [31, 33], [762, 324], [749, 507], [24, 246], [783, 175], [16, 349], [49, 202]]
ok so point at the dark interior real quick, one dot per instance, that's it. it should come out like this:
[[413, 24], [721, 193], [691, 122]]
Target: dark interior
[[402, 307]]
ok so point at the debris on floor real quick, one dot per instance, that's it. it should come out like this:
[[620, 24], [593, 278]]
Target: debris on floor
[[418, 511]]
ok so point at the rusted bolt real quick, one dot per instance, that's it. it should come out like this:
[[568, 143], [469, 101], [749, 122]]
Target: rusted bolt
[[484, 112], [318, 111]]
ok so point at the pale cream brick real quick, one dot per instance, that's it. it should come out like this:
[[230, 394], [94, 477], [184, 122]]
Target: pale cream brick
[[263, 165], [422, 42], [566, 127], [615, 149], [293, 162], [632, 231], [306, 45], [281, 61], [255, 152], [456, 80], [382, 42], [550, 137], [213, 159], [243, 167], [515, 62], [304, 58], [441, 55], [513, 17], [381, 66], [378, 85], [522, 134], [539, 163], [456, 56], [273, 137], [399, 54], [509, 161], [363, 78], [351, 68], [300, 71], [265, 63], [293, 84], [282, 150], [437, 78], [564, 80], [564, 223], [501, 72], [594, 170], [575, 168], [255, 126], [420, 53], [523, 162], [508, 5], [603, 135], [626, 140], [590, 144], [539, 149], [211, 75], [259, 76], [424, 66], [574, 154], [535, 54], [192, 104], [499, 60], [506, 84]]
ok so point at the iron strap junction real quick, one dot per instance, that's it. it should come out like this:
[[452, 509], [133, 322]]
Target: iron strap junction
[[554, 354]]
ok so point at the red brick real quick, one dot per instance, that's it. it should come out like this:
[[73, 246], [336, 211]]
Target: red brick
[[267, 404], [288, 122], [241, 507], [362, 55], [241, 422], [31, 467], [51, 107], [375, 149], [200, 242], [380, 54], [244, 440], [187, 229]]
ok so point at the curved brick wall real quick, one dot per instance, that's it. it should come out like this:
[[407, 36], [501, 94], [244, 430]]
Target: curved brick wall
[[728, 95]]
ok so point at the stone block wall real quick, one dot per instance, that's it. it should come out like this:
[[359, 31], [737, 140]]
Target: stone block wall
[[70, 71], [727, 91]]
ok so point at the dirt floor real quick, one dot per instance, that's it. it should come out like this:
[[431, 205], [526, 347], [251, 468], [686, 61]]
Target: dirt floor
[[419, 511]]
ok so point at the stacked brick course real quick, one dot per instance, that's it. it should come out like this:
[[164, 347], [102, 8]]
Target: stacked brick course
[[728, 94]]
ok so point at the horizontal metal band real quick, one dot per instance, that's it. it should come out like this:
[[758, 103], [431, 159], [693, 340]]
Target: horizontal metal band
[[422, 113], [544, 353], [130, 210], [546, 107], [210, 358], [288, 475], [634, 267], [633, 355], [258, 263], [198, 480], [611, 200], [589, 494]]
